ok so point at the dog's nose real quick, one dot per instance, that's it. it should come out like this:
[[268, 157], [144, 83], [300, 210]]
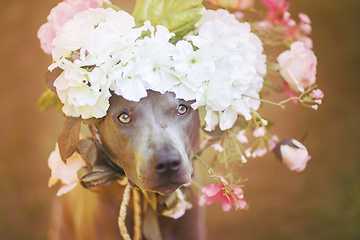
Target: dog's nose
[[168, 161]]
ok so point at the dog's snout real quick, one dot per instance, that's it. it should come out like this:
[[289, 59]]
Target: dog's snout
[[168, 166], [168, 161]]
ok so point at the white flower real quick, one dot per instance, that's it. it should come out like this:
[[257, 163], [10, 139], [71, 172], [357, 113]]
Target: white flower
[[66, 173], [215, 93], [81, 94], [239, 68], [180, 207], [157, 50], [192, 67], [221, 14], [128, 82], [224, 73], [71, 36], [211, 119]]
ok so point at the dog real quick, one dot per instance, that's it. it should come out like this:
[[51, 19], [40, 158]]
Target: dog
[[153, 141]]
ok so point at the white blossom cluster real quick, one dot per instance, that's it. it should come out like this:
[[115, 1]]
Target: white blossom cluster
[[220, 64]]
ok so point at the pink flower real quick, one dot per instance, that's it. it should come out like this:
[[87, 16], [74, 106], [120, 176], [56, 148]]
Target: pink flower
[[248, 152], [213, 192], [298, 66], [292, 154], [259, 152], [304, 18], [317, 94], [275, 5], [241, 136], [276, 8], [259, 132], [59, 15], [306, 40], [239, 5], [66, 173], [305, 28], [272, 142], [217, 147]]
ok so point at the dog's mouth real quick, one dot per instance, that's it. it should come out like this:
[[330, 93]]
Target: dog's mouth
[[168, 188], [162, 189]]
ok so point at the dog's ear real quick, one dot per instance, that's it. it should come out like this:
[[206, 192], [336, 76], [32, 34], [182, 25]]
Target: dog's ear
[[68, 139]]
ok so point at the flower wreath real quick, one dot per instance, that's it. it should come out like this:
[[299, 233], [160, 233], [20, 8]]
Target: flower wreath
[[212, 57]]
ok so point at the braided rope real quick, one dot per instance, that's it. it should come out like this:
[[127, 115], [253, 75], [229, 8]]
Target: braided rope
[[122, 214], [137, 214]]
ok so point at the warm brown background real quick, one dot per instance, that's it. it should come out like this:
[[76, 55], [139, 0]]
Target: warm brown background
[[323, 202]]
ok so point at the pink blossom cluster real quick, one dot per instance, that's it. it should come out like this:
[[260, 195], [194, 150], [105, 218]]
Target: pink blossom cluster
[[278, 15]]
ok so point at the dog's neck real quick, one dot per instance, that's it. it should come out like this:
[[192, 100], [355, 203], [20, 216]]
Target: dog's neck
[[105, 157]]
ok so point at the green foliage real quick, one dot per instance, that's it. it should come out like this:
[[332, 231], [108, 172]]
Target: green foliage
[[179, 16], [109, 5], [49, 99]]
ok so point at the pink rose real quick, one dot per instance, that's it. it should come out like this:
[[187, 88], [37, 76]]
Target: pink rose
[[59, 15], [298, 66], [292, 154], [234, 4], [66, 173]]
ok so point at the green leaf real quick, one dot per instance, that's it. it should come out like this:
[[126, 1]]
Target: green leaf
[[109, 5], [179, 16], [68, 138], [49, 99]]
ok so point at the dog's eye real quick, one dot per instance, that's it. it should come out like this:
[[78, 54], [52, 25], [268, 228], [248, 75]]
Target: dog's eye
[[124, 118], [182, 109]]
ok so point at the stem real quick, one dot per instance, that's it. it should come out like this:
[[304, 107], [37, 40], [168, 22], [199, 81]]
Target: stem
[[267, 101]]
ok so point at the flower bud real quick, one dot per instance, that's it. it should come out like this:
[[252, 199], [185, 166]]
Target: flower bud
[[292, 154]]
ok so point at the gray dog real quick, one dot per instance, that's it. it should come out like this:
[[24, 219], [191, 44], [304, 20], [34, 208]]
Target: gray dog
[[153, 141]]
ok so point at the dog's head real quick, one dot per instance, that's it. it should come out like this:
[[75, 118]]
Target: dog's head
[[153, 140]]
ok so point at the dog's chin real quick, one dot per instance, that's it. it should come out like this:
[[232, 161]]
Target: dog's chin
[[167, 188], [162, 189]]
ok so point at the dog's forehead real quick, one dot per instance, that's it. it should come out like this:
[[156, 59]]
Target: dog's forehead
[[154, 100]]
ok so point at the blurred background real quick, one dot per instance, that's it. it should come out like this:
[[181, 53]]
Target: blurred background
[[323, 202]]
